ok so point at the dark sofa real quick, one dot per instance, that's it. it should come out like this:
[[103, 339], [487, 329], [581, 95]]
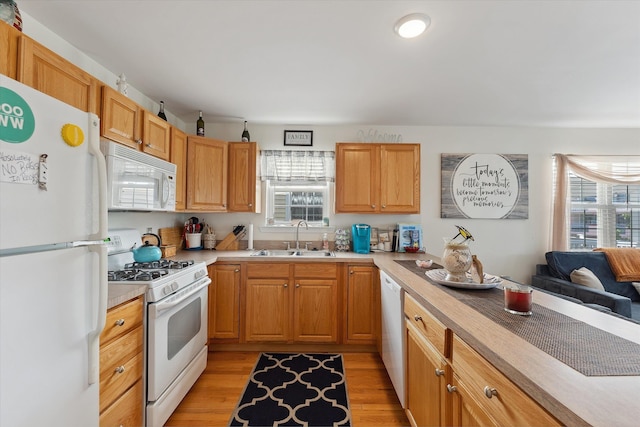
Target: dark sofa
[[620, 297]]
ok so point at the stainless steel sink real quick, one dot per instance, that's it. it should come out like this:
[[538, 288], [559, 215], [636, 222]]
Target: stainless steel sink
[[293, 253]]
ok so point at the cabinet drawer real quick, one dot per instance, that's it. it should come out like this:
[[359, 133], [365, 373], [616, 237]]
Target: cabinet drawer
[[126, 411], [316, 270], [430, 327], [121, 319], [115, 383], [508, 405], [267, 270]]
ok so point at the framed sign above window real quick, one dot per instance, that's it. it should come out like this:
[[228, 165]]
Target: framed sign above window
[[303, 138]]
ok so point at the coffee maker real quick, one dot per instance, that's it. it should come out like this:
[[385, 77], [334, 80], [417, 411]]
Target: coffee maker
[[361, 237]]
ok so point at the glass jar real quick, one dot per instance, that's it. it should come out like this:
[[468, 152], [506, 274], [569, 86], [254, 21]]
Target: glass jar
[[456, 260]]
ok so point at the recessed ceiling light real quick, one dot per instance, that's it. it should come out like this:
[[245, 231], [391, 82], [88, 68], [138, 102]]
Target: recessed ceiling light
[[412, 25]]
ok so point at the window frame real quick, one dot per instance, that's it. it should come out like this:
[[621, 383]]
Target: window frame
[[273, 186]]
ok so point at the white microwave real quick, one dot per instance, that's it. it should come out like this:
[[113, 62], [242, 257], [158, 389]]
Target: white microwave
[[137, 181]]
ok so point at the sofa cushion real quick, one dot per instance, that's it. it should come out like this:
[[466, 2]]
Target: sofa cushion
[[584, 276], [561, 264]]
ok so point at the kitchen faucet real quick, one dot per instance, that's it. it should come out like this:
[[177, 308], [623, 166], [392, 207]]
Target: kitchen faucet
[[298, 229]]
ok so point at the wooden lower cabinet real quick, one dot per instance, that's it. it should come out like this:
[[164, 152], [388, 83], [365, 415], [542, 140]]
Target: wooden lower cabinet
[[291, 303], [224, 302], [121, 366], [427, 371], [362, 313], [482, 395]]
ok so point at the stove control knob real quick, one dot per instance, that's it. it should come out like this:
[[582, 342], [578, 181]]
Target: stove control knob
[[166, 290], [174, 286]]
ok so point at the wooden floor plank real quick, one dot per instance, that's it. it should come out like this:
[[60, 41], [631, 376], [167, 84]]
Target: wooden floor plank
[[214, 396]]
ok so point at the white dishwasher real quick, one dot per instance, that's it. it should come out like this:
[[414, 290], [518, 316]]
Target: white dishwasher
[[393, 334]]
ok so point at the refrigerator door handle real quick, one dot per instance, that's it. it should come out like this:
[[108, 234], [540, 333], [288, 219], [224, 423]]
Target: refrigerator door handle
[[103, 295], [94, 150], [98, 246]]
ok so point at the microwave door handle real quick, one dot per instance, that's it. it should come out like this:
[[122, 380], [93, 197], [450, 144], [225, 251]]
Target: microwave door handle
[[166, 189], [163, 306]]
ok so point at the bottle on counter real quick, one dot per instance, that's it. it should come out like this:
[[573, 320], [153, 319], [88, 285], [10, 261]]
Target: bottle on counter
[[245, 133], [325, 242], [161, 112], [200, 125]]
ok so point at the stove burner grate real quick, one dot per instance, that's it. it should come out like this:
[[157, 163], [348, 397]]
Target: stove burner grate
[[135, 275], [163, 263]]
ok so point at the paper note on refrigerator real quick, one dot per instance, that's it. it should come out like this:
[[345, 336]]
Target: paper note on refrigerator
[[18, 167]]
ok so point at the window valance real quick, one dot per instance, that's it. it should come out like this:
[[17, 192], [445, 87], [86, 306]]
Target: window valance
[[296, 165]]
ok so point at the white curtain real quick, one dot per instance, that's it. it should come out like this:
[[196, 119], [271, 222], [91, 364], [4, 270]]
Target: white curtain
[[607, 169], [290, 165]]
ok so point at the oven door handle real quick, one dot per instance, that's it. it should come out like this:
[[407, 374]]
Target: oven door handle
[[164, 306]]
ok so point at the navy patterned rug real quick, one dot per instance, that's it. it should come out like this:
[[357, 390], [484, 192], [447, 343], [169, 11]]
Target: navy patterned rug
[[287, 389]]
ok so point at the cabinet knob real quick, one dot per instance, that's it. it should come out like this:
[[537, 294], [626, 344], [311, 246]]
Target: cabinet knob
[[373, 206], [148, 145], [139, 141], [286, 285], [297, 285], [236, 270], [350, 271], [417, 318], [250, 205], [451, 388], [120, 322], [490, 392], [439, 372], [120, 369], [384, 206]]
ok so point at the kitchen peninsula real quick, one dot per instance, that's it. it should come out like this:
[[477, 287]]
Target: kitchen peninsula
[[568, 395]]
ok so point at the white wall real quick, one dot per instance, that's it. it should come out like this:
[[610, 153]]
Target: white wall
[[505, 247]]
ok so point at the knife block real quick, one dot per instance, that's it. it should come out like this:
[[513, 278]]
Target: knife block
[[229, 243]]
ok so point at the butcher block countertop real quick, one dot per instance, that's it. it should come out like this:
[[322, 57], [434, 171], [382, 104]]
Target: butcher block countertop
[[573, 398]]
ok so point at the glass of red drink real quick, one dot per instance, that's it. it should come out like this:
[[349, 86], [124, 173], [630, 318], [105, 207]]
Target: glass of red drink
[[517, 300]]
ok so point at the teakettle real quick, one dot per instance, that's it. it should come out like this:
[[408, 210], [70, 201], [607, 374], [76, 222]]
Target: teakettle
[[148, 252]]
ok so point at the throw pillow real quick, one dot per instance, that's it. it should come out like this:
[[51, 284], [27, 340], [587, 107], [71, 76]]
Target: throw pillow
[[584, 276]]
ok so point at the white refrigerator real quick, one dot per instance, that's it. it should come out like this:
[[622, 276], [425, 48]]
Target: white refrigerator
[[53, 275]]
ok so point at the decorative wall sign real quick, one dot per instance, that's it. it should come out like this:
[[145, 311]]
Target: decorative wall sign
[[298, 137], [494, 186]]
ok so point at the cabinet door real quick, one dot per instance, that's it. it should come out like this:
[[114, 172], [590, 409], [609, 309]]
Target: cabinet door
[[357, 178], [466, 411], [244, 182], [49, 73], [8, 49], [315, 310], [179, 158], [120, 120], [425, 381], [206, 174], [224, 302], [156, 136], [267, 310], [400, 178], [361, 304]]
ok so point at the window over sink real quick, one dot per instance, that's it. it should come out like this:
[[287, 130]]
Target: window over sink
[[298, 185]]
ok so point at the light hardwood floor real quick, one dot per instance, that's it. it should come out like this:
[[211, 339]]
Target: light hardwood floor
[[215, 395]]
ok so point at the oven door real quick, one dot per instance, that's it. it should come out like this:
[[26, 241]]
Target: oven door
[[177, 333]]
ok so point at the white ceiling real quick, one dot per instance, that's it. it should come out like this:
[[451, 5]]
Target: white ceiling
[[496, 63]]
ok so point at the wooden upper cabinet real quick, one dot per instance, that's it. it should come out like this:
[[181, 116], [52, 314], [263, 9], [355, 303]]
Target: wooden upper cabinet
[[206, 174], [9, 37], [156, 136], [244, 177], [357, 178], [179, 158], [400, 178], [377, 178], [121, 118], [49, 73]]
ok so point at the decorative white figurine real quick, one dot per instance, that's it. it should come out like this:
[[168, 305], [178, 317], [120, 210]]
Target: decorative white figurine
[[122, 84]]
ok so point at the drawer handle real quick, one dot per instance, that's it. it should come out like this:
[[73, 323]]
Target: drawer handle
[[490, 392], [120, 369], [120, 322], [439, 372], [451, 388], [417, 318]]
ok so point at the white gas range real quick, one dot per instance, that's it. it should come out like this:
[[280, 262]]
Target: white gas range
[[176, 319]]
